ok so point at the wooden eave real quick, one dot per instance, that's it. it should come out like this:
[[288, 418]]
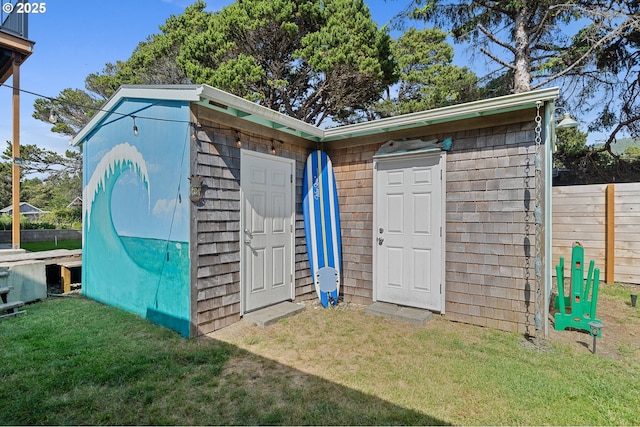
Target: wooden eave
[[17, 48], [479, 113], [16, 44]]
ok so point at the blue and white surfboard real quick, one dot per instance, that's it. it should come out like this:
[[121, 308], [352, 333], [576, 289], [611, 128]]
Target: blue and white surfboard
[[322, 226]]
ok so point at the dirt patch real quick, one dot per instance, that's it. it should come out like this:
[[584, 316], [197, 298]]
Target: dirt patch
[[620, 338], [621, 334]]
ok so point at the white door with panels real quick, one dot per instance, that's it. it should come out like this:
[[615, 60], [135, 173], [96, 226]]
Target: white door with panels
[[267, 229], [409, 218]]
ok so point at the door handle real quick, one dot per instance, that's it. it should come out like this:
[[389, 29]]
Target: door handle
[[380, 240]]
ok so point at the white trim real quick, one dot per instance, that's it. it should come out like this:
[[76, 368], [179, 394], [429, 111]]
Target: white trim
[[235, 102], [374, 238], [442, 163], [549, 143], [292, 168], [188, 93], [231, 104], [443, 203], [241, 236], [483, 107]]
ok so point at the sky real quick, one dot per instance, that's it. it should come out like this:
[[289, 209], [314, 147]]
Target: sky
[[74, 38]]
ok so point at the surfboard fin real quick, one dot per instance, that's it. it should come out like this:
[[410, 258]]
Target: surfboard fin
[[329, 299]]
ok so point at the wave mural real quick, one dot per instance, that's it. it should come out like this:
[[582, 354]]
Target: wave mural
[[121, 157], [147, 276]]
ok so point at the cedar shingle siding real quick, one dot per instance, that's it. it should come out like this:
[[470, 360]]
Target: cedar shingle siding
[[217, 220], [490, 225], [485, 225]]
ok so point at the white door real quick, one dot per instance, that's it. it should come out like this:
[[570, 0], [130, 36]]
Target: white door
[[266, 234], [409, 230]]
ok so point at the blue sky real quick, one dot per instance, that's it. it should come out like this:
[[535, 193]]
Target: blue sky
[[75, 38]]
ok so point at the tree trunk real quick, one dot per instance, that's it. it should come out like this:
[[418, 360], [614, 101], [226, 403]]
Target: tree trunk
[[522, 72]]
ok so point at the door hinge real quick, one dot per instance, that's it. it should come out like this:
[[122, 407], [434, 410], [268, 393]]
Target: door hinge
[[291, 178], [440, 288], [440, 231], [440, 174]]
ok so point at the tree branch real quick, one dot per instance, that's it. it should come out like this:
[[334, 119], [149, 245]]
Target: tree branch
[[608, 37], [494, 39], [496, 59]]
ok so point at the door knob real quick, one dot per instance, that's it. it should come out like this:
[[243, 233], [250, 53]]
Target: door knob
[[380, 240]]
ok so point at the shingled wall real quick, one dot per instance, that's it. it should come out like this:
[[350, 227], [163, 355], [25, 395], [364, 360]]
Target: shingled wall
[[486, 216], [216, 219], [488, 208]]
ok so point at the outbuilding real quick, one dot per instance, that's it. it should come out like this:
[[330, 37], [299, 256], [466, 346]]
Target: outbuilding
[[193, 208]]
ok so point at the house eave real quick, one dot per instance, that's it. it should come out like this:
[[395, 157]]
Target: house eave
[[241, 108], [188, 93], [485, 107], [234, 106]]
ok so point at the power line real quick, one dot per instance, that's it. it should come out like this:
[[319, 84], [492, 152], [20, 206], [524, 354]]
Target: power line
[[97, 109]]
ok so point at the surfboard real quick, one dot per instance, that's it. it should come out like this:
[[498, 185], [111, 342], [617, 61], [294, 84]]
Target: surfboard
[[322, 226]]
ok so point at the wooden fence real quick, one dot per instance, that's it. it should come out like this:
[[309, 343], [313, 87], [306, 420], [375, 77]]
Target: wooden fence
[[605, 219]]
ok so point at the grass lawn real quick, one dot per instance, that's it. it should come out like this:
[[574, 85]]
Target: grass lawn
[[49, 246], [74, 361]]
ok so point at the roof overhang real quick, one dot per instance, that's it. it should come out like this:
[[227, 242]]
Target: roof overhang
[[12, 48], [482, 108], [232, 105], [187, 93]]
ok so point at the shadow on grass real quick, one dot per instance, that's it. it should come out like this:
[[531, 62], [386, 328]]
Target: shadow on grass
[[75, 361]]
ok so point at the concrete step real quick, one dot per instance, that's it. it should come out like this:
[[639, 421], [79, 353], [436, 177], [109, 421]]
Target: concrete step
[[10, 306], [273, 314], [10, 309], [396, 312]]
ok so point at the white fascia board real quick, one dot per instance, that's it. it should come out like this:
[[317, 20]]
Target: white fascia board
[[483, 107], [232, 104], [238, 107], [188, 93]]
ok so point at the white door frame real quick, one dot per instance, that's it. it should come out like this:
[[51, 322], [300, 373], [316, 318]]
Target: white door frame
[[292, 163], [411, 156]]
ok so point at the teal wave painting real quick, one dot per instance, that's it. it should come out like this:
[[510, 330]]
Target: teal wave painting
[[147, 276]]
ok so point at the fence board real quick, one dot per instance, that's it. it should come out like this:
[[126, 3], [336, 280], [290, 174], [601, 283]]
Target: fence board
[[579, 214], [578, 220]]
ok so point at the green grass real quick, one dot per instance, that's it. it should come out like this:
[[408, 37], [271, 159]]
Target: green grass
[[619, 291], [74, 361], [49, 246]]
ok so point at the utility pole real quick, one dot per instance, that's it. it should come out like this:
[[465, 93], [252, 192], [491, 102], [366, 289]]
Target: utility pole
[[14, 44], [15, 150]]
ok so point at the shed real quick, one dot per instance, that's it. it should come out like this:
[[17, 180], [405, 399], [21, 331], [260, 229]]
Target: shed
[[193, 217]]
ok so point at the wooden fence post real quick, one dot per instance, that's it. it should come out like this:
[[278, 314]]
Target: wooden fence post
[[610, 256]]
